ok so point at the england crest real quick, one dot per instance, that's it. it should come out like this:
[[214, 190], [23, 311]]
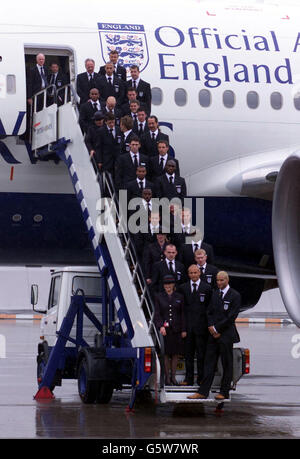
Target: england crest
[[128, 39]]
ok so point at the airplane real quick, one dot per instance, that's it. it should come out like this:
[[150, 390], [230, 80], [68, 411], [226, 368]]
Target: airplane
[[225, 88]]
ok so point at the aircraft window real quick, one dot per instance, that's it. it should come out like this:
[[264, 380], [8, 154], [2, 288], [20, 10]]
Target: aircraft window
[[180, 97], [204, 98], [297, 100], [157, 96], [228, 98], [252, 99], [276, 100], [11, 84]]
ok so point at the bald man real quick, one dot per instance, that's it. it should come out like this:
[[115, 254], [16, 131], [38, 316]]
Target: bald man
[[222, 311]]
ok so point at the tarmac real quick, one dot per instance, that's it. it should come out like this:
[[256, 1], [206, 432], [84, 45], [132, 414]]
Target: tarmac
[[245, 317]]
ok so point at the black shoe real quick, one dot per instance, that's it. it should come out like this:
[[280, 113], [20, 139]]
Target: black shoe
[[174, 382]]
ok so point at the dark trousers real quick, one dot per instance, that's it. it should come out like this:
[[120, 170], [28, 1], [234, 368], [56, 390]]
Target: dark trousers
[[195, 343], [215, 348]]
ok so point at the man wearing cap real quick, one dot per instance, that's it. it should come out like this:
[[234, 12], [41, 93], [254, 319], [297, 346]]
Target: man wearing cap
[[92, 136], [222, 311], [197, 296]]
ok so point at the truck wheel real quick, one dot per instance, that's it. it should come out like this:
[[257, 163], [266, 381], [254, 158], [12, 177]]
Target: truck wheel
[[41, 365], [87, 389], [105, 391]]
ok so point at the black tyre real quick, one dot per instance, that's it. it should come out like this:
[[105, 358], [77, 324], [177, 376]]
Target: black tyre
[[87, 389], [41, 365], [104, 392]]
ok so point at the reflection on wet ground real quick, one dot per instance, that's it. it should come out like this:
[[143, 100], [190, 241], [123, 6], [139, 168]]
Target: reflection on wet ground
[[266, 403]]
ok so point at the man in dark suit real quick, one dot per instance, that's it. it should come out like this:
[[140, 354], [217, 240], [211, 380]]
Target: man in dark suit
[[126, 164], [169, 185], [150, 139], [110, 85], [143, 88], [126, 126], [59, 79], [158, 163], [110, 107], [88, 110], [119, 70], [108, 146], [36, 80], [86, 81], [223, 309], [197, 295], [135, 187], [187, 250], [154, 245], [208, 272], [141, 127], [169, 266]]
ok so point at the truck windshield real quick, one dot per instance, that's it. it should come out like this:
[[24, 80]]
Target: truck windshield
[[91, 286]]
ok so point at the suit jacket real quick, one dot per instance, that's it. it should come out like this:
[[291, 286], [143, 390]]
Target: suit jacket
[[134, 190], [61, 80], [34, 81], [186, 254], [170, 309], [156, 170], [84, 85], [125, 148], [86, 114], [210, 275], [120, 72], [143, 93], [153, 253], [149, 146], [140, 131], [222, 314], [196, 306], [116, 89], [164, 189], [161, 269], [125, 170], [108, 148]]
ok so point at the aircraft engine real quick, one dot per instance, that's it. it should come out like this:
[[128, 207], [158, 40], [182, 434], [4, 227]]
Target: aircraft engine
[[286, 234]]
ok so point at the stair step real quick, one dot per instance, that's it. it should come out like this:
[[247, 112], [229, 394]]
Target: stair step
[[181, 397]]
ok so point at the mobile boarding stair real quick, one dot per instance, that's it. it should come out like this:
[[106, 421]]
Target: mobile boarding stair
[[127, 337]]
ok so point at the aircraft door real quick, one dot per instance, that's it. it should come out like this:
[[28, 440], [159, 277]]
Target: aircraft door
[[12, 87]]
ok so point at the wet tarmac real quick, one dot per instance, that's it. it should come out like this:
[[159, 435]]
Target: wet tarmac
[[266, 403]]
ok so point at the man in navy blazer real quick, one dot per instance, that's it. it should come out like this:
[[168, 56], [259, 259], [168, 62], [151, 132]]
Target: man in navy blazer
[[86, 81], [150, 139], [158, 163], [143, 88], [223, 309], [127, 163], [119, 70], [110, 85], [197, 295], [169, 185]]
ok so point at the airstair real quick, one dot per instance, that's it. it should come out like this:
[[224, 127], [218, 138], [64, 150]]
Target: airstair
[[55, 129]]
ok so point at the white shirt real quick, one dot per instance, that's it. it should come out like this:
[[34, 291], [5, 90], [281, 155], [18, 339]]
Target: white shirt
[[168, 176], [126, 134], [225, 290], [96, 102], [137, 156], [198, 243], [173, 264], [143, 181], [202, 267], [165, 157], [153, 132], [111, 78], [40, 67], [145, 203], [136, 82], [197, 283]]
